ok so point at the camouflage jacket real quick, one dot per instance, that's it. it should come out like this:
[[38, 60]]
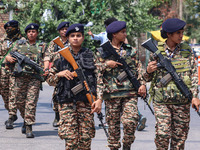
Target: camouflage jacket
[[5, 45], [36, 52], [184, 63], [107, 84], [53, 50], [54, 56]]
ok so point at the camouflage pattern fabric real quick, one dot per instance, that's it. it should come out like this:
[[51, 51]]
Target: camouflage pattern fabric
[[76, 126], [25, 88], [107, 84], [172, 109], [126, 109], [12, 100], [5, 45], [120, 97], [54, 55], [172, 122], [26, 94], [186, 69]]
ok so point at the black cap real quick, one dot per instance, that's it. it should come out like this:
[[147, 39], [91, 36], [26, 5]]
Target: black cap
[[116, 26], [75, 28], [173, 25], [62, 25], [109, 21], [32, 26], [11, 23]]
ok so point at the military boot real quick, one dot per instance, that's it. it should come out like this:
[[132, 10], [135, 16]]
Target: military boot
[[56, 120], [10, 121], [29, 133], [24, 128], [126, 147], [14, 117], [141, 123]]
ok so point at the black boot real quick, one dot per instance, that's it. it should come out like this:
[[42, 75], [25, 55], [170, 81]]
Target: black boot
[[24, 128], [10, 121], [126, 147], [29, 133], [14, 119], [56, 120]]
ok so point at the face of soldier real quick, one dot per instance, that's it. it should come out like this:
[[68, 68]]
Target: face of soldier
[[176, 37], [32, 35], [120, 36], [76, 39], [63, 31]]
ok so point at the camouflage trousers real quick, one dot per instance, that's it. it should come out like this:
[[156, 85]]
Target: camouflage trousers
[[12, 101], [76, 126], [25, 96], [172, 123], [126, 109], [4, 86]]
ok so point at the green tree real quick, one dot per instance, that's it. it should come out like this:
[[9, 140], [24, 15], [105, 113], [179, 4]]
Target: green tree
[[191, 15], [134, 12]]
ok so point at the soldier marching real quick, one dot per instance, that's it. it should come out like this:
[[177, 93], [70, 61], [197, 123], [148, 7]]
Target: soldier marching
[[21, 83]]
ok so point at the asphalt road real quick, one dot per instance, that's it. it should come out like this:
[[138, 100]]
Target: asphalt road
[[46, 137]]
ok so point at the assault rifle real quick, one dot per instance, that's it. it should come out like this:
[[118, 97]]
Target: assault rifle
[[166, 64], [127, 73], [22, 60], [78, 72]]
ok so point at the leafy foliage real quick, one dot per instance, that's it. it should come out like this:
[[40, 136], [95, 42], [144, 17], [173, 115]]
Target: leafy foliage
[[134, 12], [191, 15]]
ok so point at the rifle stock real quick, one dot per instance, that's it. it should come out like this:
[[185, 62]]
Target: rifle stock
[[65, 52], [58, 42]]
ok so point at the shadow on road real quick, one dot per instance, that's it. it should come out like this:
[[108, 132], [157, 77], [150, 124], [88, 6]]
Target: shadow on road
[[46, 133]]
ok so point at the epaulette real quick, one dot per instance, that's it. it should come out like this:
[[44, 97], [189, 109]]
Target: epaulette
[[21, 41]]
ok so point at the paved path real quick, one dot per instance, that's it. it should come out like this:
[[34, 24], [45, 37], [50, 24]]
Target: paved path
[[46, 136]]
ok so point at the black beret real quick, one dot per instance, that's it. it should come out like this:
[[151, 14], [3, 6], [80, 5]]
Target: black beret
[[75, 28], [116, 26], [173, 25], [11, 23], [32, 26], [63, 24]]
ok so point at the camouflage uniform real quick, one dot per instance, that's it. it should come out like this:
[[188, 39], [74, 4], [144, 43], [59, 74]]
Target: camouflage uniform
[[54, 55], [120, 98], [172, 109], [5, 77], [76, 124], [26, 86]]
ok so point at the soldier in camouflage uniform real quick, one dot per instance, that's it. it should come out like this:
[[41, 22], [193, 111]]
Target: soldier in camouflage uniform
[[28, 82], [120, 97], [172, 109], [54, 55], [76, 123], [7, 43]]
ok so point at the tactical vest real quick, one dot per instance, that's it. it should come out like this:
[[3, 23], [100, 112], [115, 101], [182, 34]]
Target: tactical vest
[[170, 94], [34, 52], [86, 61], [110, 75]]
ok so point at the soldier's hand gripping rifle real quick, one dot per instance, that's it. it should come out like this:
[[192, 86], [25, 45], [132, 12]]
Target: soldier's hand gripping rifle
[[166, 64], [78, 72], [127, 73], [23, 60]]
